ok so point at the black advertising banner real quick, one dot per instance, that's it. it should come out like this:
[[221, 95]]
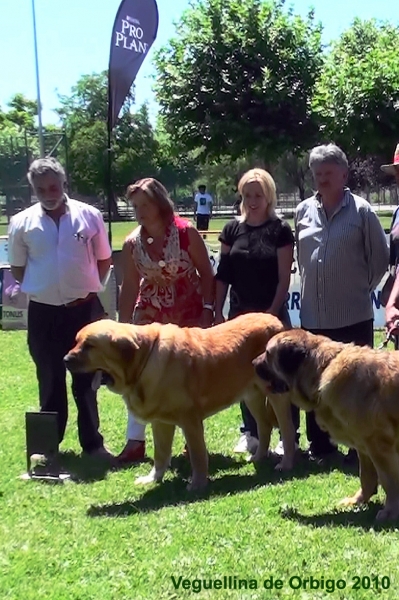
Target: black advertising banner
[[135, 29]]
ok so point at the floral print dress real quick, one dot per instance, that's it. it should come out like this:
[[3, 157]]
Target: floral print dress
[[170, 288]]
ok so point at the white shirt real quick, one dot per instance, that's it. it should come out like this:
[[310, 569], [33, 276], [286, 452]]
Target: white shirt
[[60, 262], [204, 203]]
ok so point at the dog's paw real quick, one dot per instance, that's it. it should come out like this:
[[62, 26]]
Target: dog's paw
[[145, 480], [355, 500], [196, 485], [258, 456], [152, 477], [388, 514], [284, 465]]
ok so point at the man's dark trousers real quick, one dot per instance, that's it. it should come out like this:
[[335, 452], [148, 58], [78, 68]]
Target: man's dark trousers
[[51, 334], [361, 334]]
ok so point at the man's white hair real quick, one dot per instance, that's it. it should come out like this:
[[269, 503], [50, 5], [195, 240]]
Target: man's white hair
[[327, 153], [42, 166]]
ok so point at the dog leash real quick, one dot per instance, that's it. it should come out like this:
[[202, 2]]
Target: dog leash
[[389, 337]]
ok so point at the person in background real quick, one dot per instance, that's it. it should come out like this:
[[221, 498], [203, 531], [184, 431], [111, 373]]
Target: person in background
[[203, 208], [392, 307], [59, 253], [167, 278], [256, 255], [342, 257]]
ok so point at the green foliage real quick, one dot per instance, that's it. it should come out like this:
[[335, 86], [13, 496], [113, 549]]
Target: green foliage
[[177, 167], [357, 95], [22, 112], [19, 146], [239, 76], [136, 151], [16, 150], [242, 83], [292, 171]]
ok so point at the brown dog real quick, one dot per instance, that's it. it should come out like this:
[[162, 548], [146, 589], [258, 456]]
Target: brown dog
[[172, 376], [354, 392]]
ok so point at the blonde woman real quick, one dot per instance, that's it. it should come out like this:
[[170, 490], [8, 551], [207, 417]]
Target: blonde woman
[[255, 261], [167, 277]]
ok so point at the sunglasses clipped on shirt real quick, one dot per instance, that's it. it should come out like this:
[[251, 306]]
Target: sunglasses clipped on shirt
[[80, 238]]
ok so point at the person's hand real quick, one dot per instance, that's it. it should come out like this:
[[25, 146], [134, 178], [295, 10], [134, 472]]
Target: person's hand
[[219, 319], [206, 318], [392, 320]]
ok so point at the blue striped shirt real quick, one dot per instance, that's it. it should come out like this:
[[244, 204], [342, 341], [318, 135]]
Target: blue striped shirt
[[341, 261]]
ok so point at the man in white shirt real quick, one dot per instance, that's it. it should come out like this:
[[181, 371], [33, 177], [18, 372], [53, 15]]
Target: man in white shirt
[[59, 252], [202, 208]]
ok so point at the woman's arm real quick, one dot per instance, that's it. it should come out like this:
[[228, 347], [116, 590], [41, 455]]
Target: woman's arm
[[285, 256], [130, 284], [199, 256], [221, 288], [221, 293], [376, 249], [392, 309]]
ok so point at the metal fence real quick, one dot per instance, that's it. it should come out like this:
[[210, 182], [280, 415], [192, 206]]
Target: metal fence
[[17, 152]]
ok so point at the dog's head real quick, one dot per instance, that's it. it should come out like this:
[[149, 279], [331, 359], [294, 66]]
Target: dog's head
[[291, 363], [273, 384], [109, 349]]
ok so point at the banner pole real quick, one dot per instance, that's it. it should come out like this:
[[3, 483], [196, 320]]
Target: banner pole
[[109, 173], [134, 31]]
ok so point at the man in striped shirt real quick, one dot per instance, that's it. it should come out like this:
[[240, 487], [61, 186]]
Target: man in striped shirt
[[342, 256]]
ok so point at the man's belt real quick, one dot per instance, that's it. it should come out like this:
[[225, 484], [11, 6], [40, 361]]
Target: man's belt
[[80, 301]]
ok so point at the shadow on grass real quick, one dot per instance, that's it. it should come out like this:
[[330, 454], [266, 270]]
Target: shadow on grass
[[173, 492], [83, 468], [358, 517]]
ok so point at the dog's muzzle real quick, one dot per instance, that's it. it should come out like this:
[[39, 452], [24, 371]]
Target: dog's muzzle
[[100, 377], [72, 363], [274, 384]]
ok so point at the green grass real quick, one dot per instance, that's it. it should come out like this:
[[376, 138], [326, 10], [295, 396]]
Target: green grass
[[103, 537], [121, 230]]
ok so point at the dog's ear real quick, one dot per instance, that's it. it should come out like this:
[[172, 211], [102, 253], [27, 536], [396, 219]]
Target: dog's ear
[[126, 347], [290, 358], [261, 367]]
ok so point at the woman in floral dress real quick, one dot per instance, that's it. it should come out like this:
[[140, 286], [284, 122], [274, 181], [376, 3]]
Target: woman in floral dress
[[167, 278]]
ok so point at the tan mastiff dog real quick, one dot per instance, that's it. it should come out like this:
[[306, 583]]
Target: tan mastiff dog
[[172, 376], [354, 392]]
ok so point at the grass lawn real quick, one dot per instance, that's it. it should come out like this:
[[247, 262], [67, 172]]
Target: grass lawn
[[120, 230], [104, 538]]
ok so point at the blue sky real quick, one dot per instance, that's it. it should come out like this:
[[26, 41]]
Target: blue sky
[[74, 39]]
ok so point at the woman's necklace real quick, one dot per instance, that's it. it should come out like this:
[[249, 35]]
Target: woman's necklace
[[150, 240]]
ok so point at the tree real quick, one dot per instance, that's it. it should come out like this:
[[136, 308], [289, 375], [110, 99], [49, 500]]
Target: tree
[[22, 112], [134, 148], [18, 148], [177, 169], [293, 169], [357, 95], [239, 76], [84, 115]]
